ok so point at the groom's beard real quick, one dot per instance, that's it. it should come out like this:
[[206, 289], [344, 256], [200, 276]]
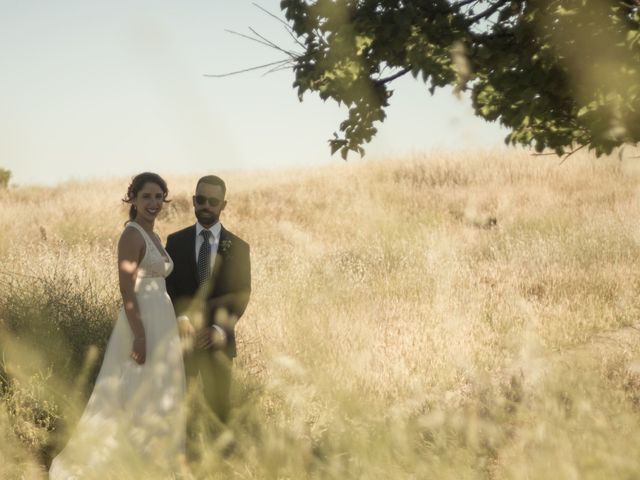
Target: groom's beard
[[207, 218]]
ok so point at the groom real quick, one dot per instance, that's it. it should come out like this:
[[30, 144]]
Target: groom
[[209, 286]]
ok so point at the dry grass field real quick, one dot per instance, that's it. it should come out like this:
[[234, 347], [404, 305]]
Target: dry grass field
[[466, 316]]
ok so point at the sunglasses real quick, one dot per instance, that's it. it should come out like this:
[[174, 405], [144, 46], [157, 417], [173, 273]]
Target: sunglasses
[[212, 201]]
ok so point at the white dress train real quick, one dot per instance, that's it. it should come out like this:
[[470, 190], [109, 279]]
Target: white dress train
[[134, 423]]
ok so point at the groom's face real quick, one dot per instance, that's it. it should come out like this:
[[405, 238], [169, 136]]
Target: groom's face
[[208, 203]]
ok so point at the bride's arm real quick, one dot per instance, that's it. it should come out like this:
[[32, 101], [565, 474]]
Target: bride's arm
[[130, 250]]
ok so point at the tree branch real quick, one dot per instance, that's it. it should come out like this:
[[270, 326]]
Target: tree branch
[[271, 14], [278, 68], [270, 43], [220, 75], [462, 3], [489, 11], [249, 37], [391, 78], [571, 153], [286, 25]]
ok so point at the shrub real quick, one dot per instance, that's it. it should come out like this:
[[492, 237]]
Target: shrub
[[5, 176]]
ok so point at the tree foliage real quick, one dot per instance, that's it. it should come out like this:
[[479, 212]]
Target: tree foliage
[[559, 74]]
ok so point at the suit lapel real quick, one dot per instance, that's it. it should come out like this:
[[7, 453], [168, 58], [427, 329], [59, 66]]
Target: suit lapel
[[191, 241], [223, 237], [219, 261]]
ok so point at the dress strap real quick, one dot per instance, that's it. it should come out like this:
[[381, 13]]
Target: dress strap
[[148, 240], [136, 225], [142, 231]]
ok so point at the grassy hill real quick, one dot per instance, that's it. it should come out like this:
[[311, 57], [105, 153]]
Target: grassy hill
[[445, 316]]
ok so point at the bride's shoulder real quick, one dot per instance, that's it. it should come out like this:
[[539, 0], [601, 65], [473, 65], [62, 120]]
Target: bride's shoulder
[[131, 235]]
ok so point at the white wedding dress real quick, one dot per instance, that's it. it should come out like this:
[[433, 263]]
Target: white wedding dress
[[134, 422]]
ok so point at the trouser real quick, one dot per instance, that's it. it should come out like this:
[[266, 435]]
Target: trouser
[[211, 371]]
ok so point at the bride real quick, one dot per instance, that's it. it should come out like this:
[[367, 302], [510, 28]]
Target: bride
[[134, 422]]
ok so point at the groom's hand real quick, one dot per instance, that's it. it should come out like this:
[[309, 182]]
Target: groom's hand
[[213, 337], [187, 333], [185, 327]]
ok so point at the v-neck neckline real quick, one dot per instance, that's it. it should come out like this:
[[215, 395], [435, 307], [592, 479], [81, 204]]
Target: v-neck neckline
[[163, 253]]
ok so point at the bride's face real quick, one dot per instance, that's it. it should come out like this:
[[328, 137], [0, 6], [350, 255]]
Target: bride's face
[[149, 202]]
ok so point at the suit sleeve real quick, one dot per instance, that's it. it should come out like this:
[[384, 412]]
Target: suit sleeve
[[242, 280], [245, 271]]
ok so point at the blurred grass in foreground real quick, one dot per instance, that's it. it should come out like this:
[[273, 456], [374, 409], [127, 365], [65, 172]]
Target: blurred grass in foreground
[[447, 316]]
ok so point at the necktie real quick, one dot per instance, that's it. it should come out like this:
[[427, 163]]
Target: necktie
[[204, 257]]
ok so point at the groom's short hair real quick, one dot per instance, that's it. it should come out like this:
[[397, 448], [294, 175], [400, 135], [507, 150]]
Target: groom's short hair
[[213, 180]]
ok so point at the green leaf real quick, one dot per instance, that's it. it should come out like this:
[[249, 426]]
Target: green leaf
[[535, 70]]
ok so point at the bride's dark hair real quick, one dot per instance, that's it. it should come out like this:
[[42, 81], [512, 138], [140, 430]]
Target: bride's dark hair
[[136, 185]]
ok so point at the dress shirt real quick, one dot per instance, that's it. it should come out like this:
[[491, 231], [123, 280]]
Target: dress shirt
[[214, 240]]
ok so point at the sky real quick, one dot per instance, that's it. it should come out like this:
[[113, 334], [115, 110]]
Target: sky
[[94, 89]]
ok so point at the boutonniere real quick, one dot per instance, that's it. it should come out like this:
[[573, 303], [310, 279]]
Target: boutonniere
[[225, 247]]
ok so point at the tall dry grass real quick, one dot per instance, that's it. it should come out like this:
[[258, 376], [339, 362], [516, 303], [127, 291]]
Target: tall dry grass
[[443, 316]]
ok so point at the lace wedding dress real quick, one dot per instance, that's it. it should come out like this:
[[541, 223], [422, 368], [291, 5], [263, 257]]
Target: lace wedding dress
[[134, 422]]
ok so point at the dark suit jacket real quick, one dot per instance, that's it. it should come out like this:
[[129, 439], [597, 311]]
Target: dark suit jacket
[[230, 280]]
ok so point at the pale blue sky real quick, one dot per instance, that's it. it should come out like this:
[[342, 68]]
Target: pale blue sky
[[97, 89]]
